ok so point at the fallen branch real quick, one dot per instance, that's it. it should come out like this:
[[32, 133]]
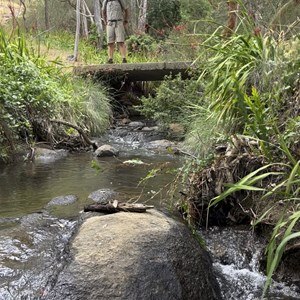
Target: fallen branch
[[80, 131], [116, 207]]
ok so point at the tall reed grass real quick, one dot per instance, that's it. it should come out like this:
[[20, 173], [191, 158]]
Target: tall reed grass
[[250, 80]]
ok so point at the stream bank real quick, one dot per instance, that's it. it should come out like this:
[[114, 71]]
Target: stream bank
[[227, 194]]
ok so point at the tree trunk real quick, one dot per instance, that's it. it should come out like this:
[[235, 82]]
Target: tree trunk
[[22, 2], [143, 16], [133, 15], [232, 17], [84, 20], [80, 131], [77, 34], [89, 14], [98, 22], [47, 23]]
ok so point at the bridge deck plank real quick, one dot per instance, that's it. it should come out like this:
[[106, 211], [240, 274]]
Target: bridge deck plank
[[136, 71]]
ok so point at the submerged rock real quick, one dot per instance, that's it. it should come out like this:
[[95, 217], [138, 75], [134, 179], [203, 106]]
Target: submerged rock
[[63, 200], [136, 256], [161, 144], [106, 150], [153, 128], [136, 125], [102, 195], [48, 155]]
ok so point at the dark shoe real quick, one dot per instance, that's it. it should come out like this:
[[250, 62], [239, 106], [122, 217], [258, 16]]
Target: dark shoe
[[124, 61], [110, 61]]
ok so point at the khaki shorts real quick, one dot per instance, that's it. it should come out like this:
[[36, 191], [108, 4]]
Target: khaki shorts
[[115, 32]]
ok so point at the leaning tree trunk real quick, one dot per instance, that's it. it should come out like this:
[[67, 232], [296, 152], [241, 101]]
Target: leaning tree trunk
[[232, 17], [99, 27], [77, 34], [143, 16]]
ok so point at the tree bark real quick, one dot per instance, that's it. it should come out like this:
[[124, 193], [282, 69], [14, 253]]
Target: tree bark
[[47, 21], [77, 34], [143, 16], [111, 208], [98, 22], [22, 2], [133, 14], [89, 14], [84, 20], [232, 17]]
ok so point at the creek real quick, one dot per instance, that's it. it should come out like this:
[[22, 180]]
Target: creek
[[34, 237]]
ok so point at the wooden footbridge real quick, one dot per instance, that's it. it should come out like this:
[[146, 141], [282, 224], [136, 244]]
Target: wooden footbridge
[[136, 72]]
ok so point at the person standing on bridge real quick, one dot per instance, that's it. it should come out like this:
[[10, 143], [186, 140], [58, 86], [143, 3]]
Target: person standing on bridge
[[115, 17]]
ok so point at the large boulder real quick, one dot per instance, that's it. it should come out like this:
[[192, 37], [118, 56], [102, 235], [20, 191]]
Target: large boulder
[[136, 256]]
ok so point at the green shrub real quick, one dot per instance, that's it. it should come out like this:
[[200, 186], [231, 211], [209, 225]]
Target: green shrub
[[33, 91], [195, 10], [141, 43], [172, 101], [163, 15]]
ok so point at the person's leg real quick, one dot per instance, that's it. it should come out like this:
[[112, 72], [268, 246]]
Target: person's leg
[[120, 39], [122, 47], [110, 50], [110, 31]]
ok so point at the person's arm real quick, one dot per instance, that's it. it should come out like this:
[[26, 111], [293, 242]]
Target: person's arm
[[126, 16], [125, 10]]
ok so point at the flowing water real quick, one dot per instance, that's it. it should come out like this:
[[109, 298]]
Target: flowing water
[[237, 254], [34, 236]]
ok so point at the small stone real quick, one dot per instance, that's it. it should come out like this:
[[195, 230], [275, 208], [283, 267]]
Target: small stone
[[153, 128], [106, 150], [161, 144], [63, 200]]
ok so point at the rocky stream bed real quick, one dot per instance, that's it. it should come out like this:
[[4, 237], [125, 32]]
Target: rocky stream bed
[[42, 233]]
